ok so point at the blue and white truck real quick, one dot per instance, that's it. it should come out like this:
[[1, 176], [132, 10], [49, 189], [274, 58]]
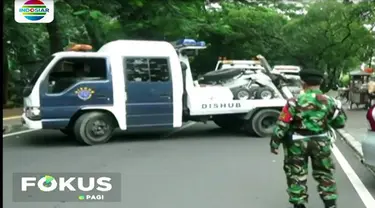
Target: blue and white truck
[[133, 85]]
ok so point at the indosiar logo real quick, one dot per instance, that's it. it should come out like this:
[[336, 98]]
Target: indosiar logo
[[34, 11]]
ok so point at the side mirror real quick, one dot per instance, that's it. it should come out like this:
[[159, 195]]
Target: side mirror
[[183, 66]]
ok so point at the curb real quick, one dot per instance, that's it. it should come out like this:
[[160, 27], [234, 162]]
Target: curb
[[351, 141]]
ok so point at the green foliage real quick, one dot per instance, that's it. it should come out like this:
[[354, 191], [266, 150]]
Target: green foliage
[[345, 80], [331, 36], [81, 12]]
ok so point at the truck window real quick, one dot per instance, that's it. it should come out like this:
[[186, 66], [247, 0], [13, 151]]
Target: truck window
[[69, 71], [30, 85], [147, 69]]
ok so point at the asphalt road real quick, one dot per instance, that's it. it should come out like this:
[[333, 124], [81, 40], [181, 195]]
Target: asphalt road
[[13, 125], [199, 167]]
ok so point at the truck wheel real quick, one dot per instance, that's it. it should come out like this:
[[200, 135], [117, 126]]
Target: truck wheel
[[242, 94], [228, 122], [94, 128], [264, 93], [263, 122], [248, 128]]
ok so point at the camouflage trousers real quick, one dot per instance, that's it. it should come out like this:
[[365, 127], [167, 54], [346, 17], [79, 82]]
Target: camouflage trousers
[[296, 159]]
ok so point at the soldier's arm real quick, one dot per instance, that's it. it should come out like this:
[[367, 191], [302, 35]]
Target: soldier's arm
[[283, 124], [338, 117]]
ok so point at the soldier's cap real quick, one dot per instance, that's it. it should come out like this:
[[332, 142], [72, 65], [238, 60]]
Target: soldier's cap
[[311, 76]]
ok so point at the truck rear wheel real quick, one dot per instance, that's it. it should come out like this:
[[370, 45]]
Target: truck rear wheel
[[94, 128], [264, 93], [228, 122], [242, 94], [262, 123]]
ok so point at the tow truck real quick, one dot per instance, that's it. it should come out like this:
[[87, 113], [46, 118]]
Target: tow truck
[[137, 85]]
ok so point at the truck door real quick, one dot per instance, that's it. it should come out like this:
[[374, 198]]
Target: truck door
[[71, 84], [148, 86]]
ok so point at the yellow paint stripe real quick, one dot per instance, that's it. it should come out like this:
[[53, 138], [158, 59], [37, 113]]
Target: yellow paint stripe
[[11, 118]]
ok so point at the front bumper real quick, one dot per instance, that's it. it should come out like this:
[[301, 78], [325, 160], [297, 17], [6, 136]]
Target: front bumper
[[31, 124]]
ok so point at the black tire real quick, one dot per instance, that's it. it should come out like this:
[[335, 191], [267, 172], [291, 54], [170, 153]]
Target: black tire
[[228, 122], [239, 94], [221, 74], [248, 128], [256, 124], [83, 128], [264, 90]]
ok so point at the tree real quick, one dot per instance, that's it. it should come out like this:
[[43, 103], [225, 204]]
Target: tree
[[327, 35], [330, 37]]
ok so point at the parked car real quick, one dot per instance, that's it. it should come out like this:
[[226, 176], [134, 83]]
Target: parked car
[[291, 72], [288, 70], [368, 143]]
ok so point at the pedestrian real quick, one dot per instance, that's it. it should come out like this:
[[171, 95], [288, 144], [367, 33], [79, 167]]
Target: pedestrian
[[303, 130], [370, 116]]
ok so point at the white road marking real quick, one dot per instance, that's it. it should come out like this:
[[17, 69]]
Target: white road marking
[[366, 197], [31, 130], [11, 118], [19, 132], [189, 124]]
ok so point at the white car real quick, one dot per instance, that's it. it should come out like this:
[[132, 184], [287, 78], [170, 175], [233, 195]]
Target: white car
[[288, 70], [224, 64], [291, 72]]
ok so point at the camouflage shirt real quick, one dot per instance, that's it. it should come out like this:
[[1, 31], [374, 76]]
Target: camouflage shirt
[[311, 111]]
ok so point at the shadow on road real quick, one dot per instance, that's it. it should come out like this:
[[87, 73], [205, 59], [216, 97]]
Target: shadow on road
[[357, 109], [50, 138]]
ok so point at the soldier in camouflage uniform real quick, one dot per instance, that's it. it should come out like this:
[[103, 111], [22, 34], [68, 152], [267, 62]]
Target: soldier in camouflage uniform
[[302, 128]]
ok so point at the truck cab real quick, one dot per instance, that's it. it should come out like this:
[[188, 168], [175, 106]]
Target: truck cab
[[130, 85]]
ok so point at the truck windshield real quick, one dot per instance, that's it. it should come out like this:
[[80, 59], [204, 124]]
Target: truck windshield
[[39, 66]]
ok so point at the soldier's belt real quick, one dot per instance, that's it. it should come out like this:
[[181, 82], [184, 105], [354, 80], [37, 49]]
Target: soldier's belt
[[300, 137]]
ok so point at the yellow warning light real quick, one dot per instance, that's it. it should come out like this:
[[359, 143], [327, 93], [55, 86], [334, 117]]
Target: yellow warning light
[[227, 62]]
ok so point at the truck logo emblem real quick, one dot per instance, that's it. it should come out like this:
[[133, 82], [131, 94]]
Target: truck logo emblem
[[84, 93], [221, 105]]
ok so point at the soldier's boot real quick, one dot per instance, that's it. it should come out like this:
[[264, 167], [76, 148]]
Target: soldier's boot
[[330, 204], [299, 206]]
